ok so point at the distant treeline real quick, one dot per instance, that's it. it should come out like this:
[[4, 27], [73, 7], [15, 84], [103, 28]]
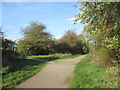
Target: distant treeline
[[37, 41]]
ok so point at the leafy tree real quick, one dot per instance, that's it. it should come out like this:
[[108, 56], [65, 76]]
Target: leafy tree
[[70, 42], [36, 40], [70, 37], [84, 42], [81, 37], [103, 24]]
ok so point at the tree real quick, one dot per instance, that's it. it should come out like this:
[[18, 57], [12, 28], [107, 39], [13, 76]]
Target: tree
[[69, 37], [36, 40], [70, 42], [84, 42], [103, 24]]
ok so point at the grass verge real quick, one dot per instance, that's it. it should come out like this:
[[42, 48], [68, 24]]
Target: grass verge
[[87, 75], [54, 57], [19, 72]]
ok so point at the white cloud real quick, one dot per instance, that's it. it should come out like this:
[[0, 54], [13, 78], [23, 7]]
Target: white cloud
[[71, 19]]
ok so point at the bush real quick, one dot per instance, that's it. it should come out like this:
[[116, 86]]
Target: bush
[[9, 54], [103, 57]]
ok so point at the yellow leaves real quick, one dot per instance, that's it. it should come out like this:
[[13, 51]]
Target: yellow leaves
[[112, 42]]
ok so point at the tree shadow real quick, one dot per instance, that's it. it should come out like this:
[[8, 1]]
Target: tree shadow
[[22, 65]]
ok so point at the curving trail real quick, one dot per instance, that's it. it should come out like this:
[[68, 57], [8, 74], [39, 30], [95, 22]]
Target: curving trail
[[53, 75]]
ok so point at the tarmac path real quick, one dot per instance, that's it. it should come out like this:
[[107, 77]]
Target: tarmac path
[[56, 74]]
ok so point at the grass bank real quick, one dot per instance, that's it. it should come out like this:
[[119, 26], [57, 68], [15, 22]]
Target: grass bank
[[54, 57], [19, 72], [87, 75]]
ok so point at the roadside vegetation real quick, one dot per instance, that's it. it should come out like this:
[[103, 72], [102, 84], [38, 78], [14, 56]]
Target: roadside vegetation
[[101, 26], [89, 75]]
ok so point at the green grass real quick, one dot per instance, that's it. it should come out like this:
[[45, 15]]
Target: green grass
[[70, 56], [87, 75], [19, 72], [54, 57]]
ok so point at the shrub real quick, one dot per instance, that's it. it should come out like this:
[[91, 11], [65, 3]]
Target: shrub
[[103, 57], [9, 54]]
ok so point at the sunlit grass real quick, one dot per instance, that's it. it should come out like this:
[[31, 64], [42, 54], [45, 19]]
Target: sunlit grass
[[54, 57], [87, 75]]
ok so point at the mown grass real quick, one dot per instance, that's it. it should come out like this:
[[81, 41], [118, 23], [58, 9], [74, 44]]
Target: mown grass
[[87, 75], [19, 72], [54, 57]]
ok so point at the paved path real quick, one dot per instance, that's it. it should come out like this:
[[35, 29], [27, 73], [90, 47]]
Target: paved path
[[53, 75]]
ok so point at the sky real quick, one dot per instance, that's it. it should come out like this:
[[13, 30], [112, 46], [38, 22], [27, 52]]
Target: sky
[[57, 16]]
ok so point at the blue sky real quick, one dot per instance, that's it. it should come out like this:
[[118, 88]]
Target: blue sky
[[56, 16]]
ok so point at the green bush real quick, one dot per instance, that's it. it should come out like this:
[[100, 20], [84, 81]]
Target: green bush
[[103, 57]]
